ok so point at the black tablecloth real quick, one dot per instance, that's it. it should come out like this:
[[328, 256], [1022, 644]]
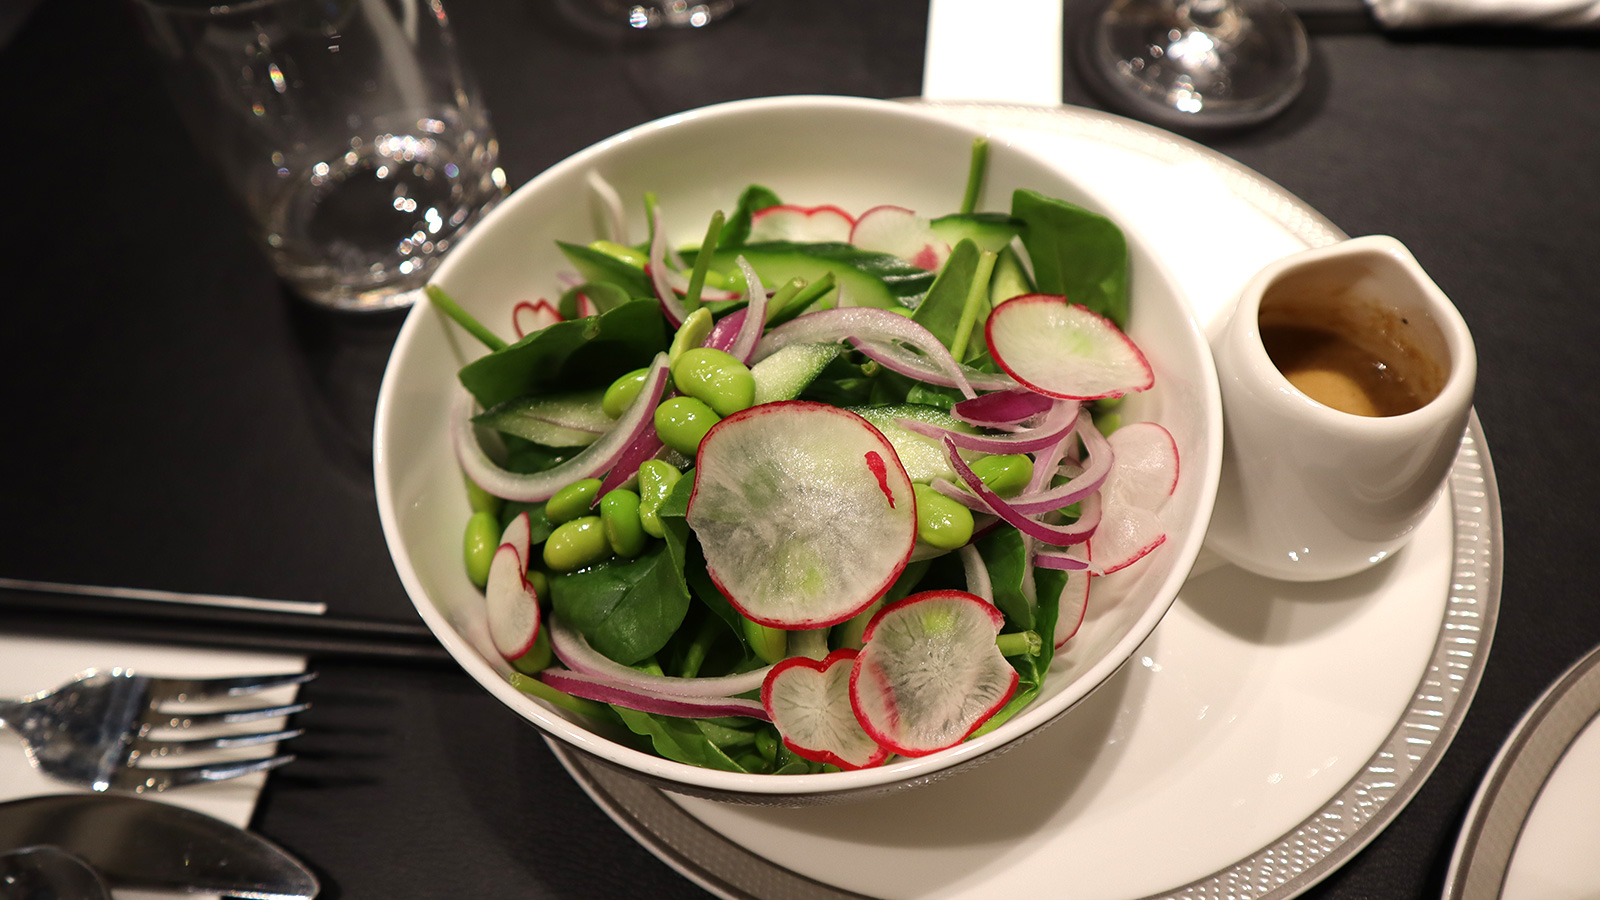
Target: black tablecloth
[[172, 419]]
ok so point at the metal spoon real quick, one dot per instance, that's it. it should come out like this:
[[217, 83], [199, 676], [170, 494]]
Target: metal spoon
[[48, 873]]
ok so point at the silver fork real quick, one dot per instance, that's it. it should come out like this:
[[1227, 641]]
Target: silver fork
[[99, 729]]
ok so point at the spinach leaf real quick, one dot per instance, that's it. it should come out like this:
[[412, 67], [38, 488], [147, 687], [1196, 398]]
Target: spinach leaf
[[604, 295], [1075, 252], [1002, 552], [628, 609], [589, 352], [680, 740], [736, 230], [603, 268], [940, 311]]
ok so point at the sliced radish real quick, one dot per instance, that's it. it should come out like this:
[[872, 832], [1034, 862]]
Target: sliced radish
[[1064, 350], [527, 317], [513, 607], [809, 701], [929, 672], [803, 224], [899, 231], [1144, 475], [804, 512], [519, 535], [1071, 607], [605, 691]]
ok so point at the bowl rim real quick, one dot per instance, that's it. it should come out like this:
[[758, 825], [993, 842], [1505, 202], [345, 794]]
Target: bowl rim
[[712, 782]]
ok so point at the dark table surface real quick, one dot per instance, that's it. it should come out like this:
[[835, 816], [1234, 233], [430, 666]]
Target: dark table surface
[[173, 420]]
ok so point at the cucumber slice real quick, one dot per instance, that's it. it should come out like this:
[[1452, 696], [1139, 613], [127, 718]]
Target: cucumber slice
[[1010, 278], [871, 279], [784, 374], [924, 457], [572, 419], [990, 231]]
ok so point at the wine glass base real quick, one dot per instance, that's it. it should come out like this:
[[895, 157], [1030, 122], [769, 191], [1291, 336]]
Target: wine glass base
[[652, 15], [1194, 64]]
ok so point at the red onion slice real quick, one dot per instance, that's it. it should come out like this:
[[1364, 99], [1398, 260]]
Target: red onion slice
[[873, 326], [574, 651], [1057, 426], [644, 447], [1066, 562], [1002, 409], [598, 457], [605, 691], [755, 314], [978, 580], [1100, 461], [1056, 535], [670, 304], [611, 204]]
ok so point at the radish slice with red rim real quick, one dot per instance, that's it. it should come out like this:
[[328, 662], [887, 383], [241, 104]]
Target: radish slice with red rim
[[809, 702], [606, 691], [1064, 350], [900, 232], [513, 607], [1146, 471], [592, 460], [803, 224], [804, 512], [929, 672], [1071, 607], [519, 534], [526, 318]]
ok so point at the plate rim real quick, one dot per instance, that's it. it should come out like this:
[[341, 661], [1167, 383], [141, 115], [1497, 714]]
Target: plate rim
[[1281, 869]]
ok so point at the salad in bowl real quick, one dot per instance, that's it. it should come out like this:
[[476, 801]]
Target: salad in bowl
[[853, 452]]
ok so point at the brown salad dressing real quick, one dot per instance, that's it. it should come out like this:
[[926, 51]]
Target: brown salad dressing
[[1357, 378]]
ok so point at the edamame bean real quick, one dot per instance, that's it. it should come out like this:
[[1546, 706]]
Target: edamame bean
[[537, 659], [682, 422], [691, 334], [539, 581], [656, 481], [572, 501], [619, 517], [769, 644], [1006, 474], [575, 544], [481, 500], [941, 521], [478, 544], [715, 377], [622, 392]]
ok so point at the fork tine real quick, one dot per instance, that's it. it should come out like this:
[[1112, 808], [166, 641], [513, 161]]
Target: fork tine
[[147, 780], [156, 748], [181, 689], [155, 718]]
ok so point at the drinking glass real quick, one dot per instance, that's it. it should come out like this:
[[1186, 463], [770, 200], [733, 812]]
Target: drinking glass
[[1195, 63], [349, 129], [652, 14]]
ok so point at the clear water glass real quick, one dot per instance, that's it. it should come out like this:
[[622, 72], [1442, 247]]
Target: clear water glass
[[349, 129]]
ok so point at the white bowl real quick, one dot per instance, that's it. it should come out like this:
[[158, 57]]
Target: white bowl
[[811, 150]]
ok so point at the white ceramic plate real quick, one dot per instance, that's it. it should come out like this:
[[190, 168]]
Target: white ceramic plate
[[1530, 833], [848, 152], [1266, 731]]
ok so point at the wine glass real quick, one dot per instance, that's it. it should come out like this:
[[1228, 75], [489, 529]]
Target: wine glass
[[1193, 64], [644, 15]]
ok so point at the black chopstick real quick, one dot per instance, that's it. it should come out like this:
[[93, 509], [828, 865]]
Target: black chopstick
[[81, 613]]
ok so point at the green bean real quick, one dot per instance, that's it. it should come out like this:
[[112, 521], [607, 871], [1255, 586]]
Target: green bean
[[715, 377], [622, 392], [572, 501], [769, 644], [478, 544], [1006, 474], [619, 517], [617, 251], [941, 521], [682, 422], [575, 544], [481, 500], [656, 480]]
